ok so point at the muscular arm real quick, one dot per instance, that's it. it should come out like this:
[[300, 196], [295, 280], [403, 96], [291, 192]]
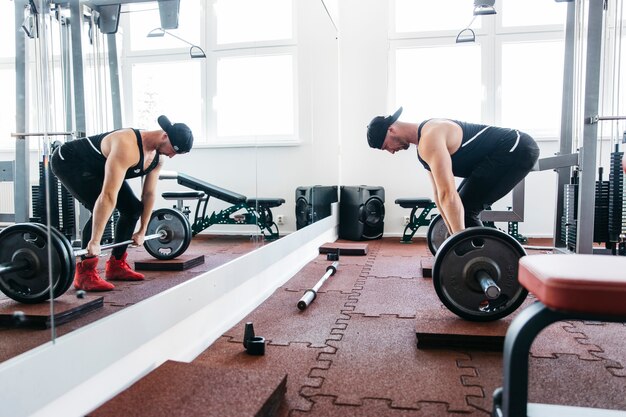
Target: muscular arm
[[434, 151], [120, 158], [147, 198]]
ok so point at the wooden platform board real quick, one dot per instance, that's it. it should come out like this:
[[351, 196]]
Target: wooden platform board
[[181, 263], [177, 389], [66, 308], [348, 249]]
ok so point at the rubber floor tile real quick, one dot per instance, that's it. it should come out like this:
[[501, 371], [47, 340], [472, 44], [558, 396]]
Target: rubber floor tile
[[377, 358], [565, 380], [606, 340], [281, 323], [559, 338], [396, 296], [295, 360], [343, 280], [177, 389], [127, 292], [393, 247], [397, 266], [324, 406]]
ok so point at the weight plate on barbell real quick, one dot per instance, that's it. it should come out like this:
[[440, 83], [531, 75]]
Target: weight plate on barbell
[[72, 262], [177, 238], [437, 233], [66, 258], [464, 253], [29, 242]]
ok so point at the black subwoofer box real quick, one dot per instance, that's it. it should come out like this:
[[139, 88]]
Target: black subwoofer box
[[361, 212], [313, 203]]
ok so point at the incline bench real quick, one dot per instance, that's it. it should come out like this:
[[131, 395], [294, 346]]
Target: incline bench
[[257, 210], [426, 204]]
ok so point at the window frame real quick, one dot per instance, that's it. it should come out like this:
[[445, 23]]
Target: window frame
[[491, 36]]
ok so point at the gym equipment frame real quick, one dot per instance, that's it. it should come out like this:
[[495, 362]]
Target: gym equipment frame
[[256, 210]]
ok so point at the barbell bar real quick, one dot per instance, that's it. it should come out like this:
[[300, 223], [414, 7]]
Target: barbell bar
[[311, 294], [161, 235]]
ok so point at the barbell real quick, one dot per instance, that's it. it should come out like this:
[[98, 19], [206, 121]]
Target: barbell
[[475, 274], [27, 272]]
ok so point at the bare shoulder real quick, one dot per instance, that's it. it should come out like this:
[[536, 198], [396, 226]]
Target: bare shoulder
[[439, 126], [121, 143]]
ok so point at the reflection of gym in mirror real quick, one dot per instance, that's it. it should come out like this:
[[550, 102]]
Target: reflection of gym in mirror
[[260, 258]]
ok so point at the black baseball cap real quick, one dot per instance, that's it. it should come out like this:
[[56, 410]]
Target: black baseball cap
[[377, 129], [180, 135]]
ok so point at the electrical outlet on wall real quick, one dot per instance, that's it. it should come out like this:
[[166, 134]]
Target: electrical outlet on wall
[[280, 219], [405, 220]]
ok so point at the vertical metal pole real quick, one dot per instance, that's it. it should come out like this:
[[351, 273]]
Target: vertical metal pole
[[67, 73], [567, 105], [76, 20], [22, 146], [116, 100], [587, 184], [77, 65]]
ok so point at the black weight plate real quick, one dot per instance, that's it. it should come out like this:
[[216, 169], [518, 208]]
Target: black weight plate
[[29, 241], [437, 233], [72, 262], [178, 230], [64, 255], [485, 248]]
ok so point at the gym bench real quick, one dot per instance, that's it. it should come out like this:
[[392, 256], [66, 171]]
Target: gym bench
[[568, 287], [415, 221], [256, 210]]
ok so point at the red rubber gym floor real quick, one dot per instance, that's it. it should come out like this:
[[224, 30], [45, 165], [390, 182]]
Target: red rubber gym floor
[[354, 351]]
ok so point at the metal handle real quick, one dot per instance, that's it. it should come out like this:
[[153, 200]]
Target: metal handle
[[306, 299], [310, 294], [159, 235], [488, 285]]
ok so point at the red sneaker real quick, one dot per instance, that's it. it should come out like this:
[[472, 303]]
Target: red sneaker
[[86, 277], [120, 270]]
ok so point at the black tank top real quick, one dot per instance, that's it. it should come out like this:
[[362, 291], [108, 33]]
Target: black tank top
[[478, 142], [87, 152]]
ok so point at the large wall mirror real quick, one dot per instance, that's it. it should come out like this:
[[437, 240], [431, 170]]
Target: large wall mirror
[[257, 83]]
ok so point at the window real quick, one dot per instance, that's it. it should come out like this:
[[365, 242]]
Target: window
[[252, 20], [423, 16], [156, 92], [443, 88], [492, 80], [531, 13], [531, 89], [255, 96], [7, 30], [7, 107], [249, 70]]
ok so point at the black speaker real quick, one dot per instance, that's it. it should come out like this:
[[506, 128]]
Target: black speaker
[[361, 212], [313, 203]]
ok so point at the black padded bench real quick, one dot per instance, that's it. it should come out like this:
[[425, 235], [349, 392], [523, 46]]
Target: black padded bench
[[426, 205], [256, 210]]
